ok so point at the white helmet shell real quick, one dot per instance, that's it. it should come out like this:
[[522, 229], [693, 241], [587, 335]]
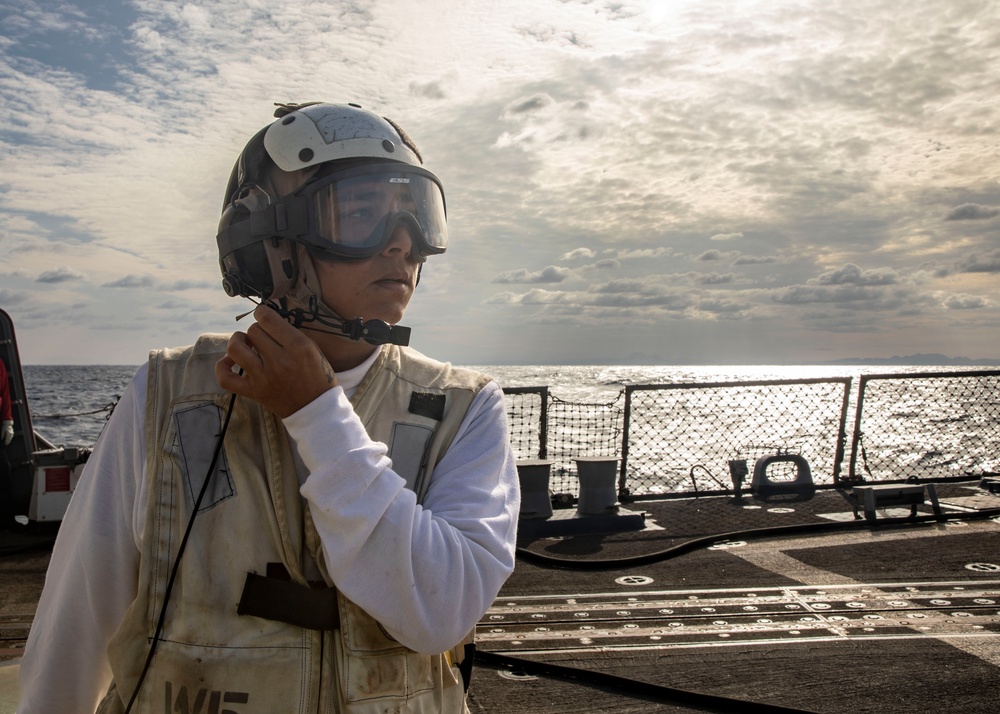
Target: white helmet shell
[[318, 133]]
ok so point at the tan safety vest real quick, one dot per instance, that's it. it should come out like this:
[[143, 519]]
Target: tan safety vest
[[211, 660]]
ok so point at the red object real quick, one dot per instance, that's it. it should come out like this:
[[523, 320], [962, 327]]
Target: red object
[[57, 479]]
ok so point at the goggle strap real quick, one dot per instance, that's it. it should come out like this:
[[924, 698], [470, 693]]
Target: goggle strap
[[284, 219]]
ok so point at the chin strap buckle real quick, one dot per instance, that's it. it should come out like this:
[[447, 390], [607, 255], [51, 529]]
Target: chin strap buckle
[[376, 332]]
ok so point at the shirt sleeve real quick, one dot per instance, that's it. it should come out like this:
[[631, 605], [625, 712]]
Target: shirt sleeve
[[426, 572], [92, 575]]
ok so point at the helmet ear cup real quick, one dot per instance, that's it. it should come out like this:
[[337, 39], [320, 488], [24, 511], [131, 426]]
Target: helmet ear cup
[[246, 271]]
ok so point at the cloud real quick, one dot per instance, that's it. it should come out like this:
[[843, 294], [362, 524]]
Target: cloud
[[529, 105], [986, 263], [11, 297], [804, 294], [972, 212], [962, 301], [578, 253], [713, 278], [756, 260], [627, 137], [59, 275], [131, 281], [180, 285], [538, 296], [504, 298], [428, 90], [641, 253], [550, 274], [850, 274], [718, 306]]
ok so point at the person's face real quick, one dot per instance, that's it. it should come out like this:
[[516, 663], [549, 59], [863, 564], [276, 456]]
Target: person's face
[[377, 288]]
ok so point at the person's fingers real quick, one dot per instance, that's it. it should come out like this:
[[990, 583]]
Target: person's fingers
[[243, 353], [228, 379], [282, 369]]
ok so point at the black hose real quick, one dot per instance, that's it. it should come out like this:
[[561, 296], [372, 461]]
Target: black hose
[[530, 556], [633, 688]]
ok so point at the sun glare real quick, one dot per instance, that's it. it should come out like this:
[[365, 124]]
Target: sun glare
[[660, 10]]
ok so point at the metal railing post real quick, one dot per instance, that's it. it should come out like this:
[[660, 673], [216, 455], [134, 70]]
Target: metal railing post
[[856, 436], [842, 432], [623, 467], [543, 425]]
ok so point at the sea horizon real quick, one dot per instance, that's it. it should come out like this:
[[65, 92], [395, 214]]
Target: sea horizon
[[916, 360], [70, 403]]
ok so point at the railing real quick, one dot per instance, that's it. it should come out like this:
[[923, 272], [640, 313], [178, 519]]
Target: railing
[[679, 438], [926, 425], [527, 412]]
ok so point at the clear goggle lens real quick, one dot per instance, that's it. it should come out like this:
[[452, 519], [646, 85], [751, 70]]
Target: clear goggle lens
[[357, 211]]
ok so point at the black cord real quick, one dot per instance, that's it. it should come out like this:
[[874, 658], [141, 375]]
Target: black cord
[[549, 561], [632, 687], [180, 553]]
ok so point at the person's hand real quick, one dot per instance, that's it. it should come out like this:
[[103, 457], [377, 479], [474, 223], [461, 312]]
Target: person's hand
[[283, 370], [7, 432]]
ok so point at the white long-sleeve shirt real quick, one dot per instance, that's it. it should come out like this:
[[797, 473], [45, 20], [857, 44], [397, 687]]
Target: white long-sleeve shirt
[[427, 573]]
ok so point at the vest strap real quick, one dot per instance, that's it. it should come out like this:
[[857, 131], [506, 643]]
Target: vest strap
[[289, 602]]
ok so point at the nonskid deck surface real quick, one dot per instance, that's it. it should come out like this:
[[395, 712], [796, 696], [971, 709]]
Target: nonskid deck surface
[[734, 618], [875, 619]]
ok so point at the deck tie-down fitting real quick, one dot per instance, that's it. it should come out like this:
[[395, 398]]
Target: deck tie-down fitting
[[536, 501], [598, 487], [885, 495], [763, 485]]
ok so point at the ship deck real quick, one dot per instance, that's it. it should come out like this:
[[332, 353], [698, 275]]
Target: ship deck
[[785, 603], [788, 603]]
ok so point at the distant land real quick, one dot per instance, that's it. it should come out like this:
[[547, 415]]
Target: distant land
[[919, 360]]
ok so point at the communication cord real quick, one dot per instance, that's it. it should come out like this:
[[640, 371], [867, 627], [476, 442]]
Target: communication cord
[[180, 552]]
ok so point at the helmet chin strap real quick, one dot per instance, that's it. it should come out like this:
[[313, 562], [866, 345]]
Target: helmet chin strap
[[374, 332], [302, 305]]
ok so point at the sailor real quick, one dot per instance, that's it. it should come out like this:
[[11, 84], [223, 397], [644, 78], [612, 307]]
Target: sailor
[[306, 516], [7, 521]]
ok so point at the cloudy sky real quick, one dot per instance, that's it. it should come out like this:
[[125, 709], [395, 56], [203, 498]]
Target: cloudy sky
[[628, 181]]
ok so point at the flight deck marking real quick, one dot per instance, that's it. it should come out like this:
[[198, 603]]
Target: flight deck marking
[[827, 607], [954, 610]]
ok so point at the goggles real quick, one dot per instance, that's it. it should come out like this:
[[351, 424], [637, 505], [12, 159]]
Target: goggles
[[347, 214]]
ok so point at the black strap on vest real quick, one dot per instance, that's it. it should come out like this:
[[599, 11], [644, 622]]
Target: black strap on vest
[[287, 601]]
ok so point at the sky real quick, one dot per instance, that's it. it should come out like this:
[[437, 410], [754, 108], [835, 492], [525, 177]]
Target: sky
[[628, 181]]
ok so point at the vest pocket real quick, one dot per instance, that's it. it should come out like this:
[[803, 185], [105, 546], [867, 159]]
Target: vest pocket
[[375, 666], [234, 680], [196, 433], [408, 450]]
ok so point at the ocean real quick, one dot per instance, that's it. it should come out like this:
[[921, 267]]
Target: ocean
[[70, 404]]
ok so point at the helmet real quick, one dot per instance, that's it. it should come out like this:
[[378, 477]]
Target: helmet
[[330, 181]]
